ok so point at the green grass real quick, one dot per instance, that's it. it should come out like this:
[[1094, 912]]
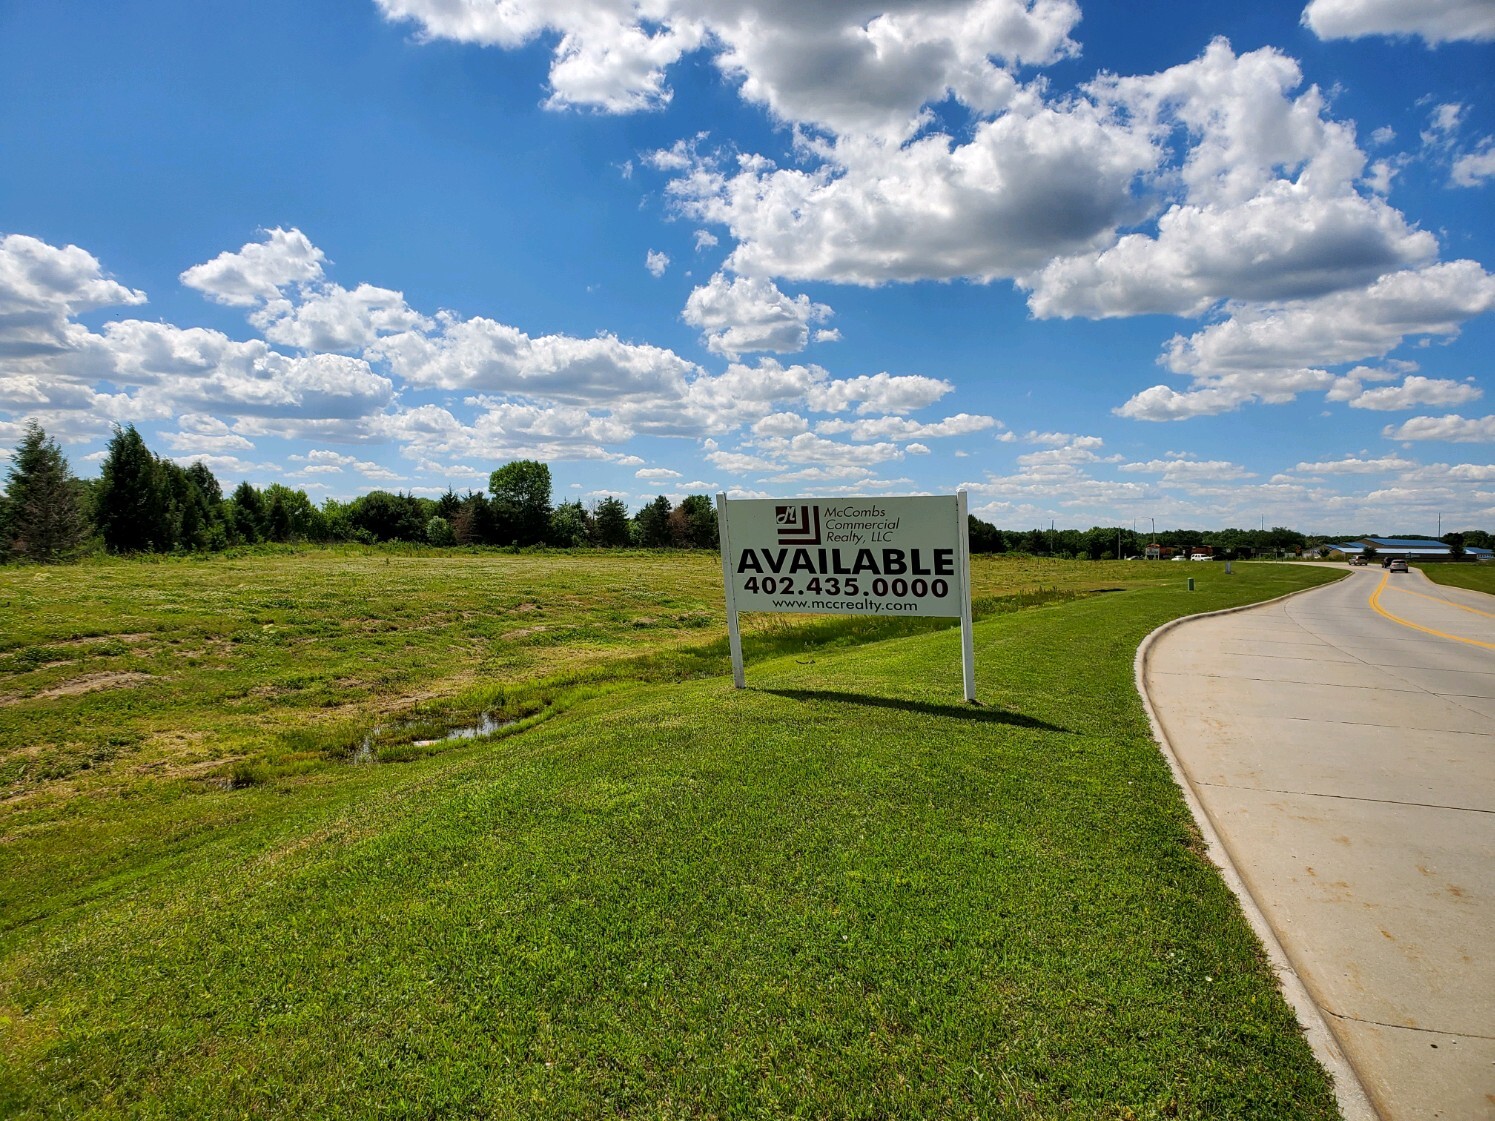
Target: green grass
[[838, 893], [115, 672], [1477, 577]]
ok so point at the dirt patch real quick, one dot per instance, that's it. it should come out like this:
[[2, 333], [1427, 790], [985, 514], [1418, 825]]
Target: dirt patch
[[524, 632], [94, 640], [167, 768], [93, 682]]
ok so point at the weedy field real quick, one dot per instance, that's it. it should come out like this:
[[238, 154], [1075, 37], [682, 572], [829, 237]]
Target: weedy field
[[243, 872]]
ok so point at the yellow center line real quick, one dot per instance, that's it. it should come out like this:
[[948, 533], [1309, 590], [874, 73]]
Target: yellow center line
[[1440, 599], [1375, 602]]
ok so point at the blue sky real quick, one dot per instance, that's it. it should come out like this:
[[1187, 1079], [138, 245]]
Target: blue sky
[[1095, 263]]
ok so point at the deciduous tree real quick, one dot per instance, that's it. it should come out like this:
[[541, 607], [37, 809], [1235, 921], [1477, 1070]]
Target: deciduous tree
[[521, 494]]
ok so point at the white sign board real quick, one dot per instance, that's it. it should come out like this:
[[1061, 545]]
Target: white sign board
[[847, 556]]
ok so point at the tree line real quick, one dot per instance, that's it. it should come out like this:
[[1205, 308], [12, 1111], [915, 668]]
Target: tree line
[[1110, 542], [144, 503]]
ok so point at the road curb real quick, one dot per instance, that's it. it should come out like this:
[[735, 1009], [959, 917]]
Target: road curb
[[1354, 1103]]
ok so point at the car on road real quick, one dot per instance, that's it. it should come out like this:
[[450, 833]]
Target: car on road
[[1398, 565], [1358, 561]]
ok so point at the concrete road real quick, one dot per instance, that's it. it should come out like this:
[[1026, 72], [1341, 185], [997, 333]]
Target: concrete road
[[1342, 744]]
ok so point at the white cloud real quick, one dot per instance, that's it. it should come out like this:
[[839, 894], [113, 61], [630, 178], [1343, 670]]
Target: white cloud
[[1284, 243], [808, 448], [1174, 471], [331, 317], [229, 466], [259, 270], [1452, 429], [657, 473], [48, 363], [604, 59], [1343, 327], [1356, 465], [41, 284], [878, 393], [1223, 393], [201, 434], [1415, 392], [852, 66], [1034, 182], [1472, 168], [323, 461], [1270, 212], [1271, 353], [548, 397], [656, 262], [1436, 21], [745, 314], [489, 356], [781, 424], [740, 463], [901, 428], [1081, 451], [1058, 439], [171, 367]]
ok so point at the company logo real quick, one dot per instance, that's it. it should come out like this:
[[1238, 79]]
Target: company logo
[[798, 525]]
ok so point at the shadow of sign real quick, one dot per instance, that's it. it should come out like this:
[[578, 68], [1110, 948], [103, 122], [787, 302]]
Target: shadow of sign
[[957, 712]]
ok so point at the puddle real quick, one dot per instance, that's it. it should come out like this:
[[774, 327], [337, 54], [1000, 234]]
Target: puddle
[[486, 725], [367, 750]]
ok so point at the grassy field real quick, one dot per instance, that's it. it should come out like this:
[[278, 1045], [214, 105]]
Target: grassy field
[[839, 893], [1478, 577]]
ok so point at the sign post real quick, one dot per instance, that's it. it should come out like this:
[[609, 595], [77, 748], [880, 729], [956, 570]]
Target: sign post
[[848, 556], [734, 635]]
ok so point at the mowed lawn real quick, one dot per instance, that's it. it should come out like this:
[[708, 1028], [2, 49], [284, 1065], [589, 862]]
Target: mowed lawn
[[1476, 577], [838, 893]]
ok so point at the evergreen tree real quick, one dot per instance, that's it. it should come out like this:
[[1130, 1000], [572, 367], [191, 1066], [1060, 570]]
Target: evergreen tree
[[277, 520], [193, 516], [133, 500], [44, 517], [473, 523], [610, 522], [653, 524], [249, 513], [448, 505]]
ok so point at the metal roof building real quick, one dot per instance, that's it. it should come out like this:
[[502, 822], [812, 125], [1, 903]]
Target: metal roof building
[[1411, 548]]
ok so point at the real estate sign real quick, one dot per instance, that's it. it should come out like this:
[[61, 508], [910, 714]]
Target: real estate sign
[[847, 556]]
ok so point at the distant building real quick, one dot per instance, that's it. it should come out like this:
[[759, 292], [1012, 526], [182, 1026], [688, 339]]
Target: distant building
[[1407, 548]]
